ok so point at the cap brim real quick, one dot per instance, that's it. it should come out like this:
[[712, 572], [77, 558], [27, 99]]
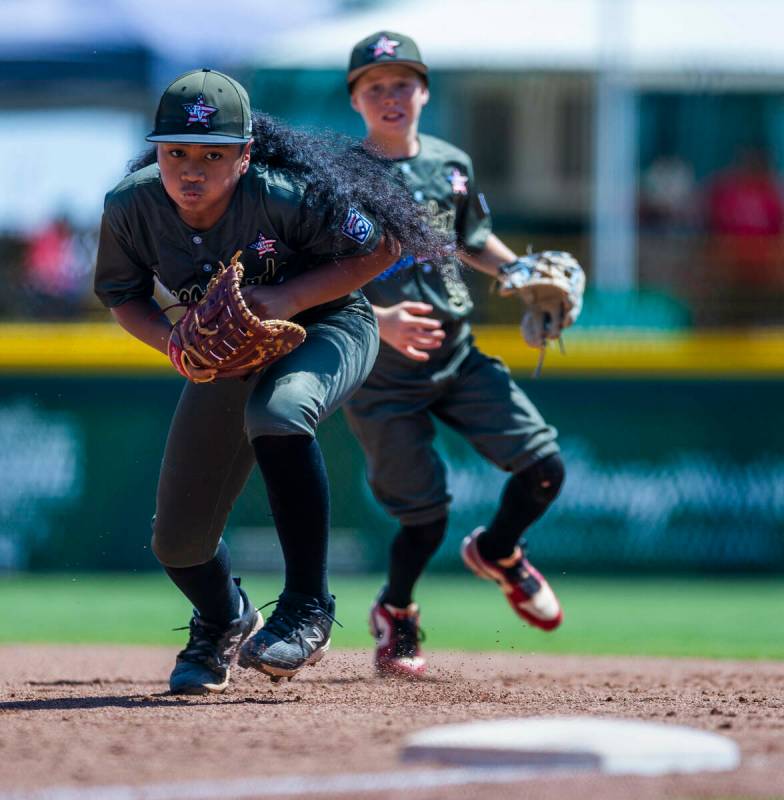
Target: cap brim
[[415, 65], [197, 138]]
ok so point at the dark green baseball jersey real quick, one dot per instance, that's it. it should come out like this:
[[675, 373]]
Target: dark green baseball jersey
[[442, 177], [280, 236]]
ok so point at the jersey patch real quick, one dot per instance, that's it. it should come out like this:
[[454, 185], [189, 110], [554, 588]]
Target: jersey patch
[[459, 182], [384, 47], [356, 226], [199, 112], [262, 245]]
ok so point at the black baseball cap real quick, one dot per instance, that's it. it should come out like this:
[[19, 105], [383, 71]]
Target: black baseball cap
[[384, 47], [203, 107]]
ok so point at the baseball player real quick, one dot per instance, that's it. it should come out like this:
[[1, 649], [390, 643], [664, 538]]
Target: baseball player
[[221, 179], [428, 367]]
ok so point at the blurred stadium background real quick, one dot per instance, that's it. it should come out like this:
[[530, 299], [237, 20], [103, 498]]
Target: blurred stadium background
[[646, 136]]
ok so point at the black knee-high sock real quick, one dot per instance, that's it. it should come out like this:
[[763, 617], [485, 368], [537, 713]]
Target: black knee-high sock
[[210, 587], [526, 496], [298, 492], [409, 553]]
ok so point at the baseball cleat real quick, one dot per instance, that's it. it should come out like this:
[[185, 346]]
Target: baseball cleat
[[203, 665], [296, 635], [397, 635], [526, 590]]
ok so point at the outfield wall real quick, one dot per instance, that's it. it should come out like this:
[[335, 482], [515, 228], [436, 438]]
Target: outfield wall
[[674, 450], [104, 348]]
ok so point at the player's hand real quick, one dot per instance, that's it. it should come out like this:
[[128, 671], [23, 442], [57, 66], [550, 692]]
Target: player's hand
[[406, 327], [270, 302]]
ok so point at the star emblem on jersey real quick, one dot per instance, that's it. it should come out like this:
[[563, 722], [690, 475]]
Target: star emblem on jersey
[[384, 47], [356, 226], [199, 112], [459, 182], [263, 245]]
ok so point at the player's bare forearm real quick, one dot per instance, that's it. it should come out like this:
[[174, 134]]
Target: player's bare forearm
[[144, 320], [490, 258], [321, 285]]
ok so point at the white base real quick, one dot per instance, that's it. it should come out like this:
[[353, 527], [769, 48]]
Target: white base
[[611, 746]]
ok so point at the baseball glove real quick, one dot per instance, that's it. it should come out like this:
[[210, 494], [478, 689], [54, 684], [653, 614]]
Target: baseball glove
[[551, 285], [220, 337]]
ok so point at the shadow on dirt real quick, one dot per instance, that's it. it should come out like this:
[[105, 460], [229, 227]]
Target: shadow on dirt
[[162, 700]]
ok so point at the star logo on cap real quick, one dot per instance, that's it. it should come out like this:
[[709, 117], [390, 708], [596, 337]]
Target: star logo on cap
[[263, 245], [459, 182], [199, 112], [384, 47]]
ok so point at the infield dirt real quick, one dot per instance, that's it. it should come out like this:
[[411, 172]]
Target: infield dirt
[[87, 716]]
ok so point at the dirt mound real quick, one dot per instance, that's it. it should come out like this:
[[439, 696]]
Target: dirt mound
[[86, 716]]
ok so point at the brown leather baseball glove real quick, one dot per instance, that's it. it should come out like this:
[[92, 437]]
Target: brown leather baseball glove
[[220, 337], [551, 286]]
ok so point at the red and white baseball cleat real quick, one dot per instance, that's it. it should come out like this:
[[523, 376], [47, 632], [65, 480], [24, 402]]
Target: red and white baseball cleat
[[397, 635], [526, 590]]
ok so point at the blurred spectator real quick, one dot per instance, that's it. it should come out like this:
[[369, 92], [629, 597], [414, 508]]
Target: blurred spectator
[[745, 218], [57, 269], [668, 194]]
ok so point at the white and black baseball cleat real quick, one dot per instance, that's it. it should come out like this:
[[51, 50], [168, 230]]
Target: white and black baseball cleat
[[204, 664], [297, 634]]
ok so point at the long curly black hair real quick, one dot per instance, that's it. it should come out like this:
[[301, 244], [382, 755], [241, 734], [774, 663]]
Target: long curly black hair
[[338, 172]]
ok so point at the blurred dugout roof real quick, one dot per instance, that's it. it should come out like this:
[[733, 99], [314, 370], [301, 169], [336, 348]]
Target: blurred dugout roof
[[179, 29], [647, 36], [96, 52]]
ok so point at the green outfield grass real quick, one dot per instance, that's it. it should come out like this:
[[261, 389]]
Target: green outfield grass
[[714, 618]]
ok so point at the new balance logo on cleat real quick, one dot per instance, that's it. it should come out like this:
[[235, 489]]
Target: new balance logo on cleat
[[296, 635]]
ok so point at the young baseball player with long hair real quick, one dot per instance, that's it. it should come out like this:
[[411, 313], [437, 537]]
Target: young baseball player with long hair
[[315, 218], [428, 367]]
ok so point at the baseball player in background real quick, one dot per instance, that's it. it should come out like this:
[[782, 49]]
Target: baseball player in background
[[222, 179], [428, 367]]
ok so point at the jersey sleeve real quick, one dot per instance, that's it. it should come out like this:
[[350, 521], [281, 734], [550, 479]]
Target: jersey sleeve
[[474, 223], [120, 275], [351, 232]]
